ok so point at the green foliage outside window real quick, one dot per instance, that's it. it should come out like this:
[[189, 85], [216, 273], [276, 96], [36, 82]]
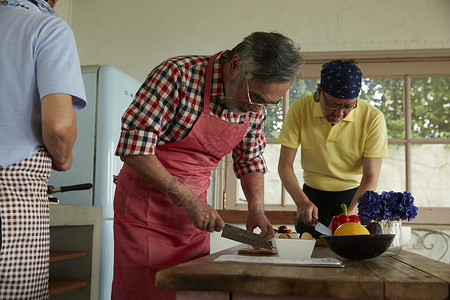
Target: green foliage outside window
[[430, 107], [386, 94]]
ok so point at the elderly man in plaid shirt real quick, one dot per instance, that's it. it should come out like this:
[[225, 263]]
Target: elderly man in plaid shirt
[[189, 113]]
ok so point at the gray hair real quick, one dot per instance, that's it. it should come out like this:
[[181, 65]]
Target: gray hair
[[269, 57]]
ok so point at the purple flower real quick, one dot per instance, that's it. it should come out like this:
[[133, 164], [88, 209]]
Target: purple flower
[[409, 211], [369, 205], [387, 206]]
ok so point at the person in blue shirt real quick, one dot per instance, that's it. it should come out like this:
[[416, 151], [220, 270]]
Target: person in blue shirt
[[40, 89]]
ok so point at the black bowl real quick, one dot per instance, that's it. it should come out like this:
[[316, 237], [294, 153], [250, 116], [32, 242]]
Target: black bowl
[[359, 247]]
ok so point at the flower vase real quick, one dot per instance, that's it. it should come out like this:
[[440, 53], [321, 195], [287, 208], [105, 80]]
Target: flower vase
[[393, 227]]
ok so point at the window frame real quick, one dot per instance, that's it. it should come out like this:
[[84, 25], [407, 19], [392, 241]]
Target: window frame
[[374, 64]]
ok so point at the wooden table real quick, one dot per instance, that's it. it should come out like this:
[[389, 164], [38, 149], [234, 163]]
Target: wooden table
[[406, 276]]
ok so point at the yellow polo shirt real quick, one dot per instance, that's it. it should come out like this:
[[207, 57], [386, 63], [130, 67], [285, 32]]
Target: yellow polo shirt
[[332, 156]]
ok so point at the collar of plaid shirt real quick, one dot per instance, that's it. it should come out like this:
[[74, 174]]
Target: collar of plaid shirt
[[217, 80]]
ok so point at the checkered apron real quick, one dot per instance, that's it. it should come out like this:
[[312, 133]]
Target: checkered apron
[[24, 256]]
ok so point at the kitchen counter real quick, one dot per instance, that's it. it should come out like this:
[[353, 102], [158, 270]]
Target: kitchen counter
[[406, 276]]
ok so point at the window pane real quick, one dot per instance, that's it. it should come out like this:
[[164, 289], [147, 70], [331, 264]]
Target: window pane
[[393, 170], [302, 88], [274, 121], [386, 94], [430, 175], [289, 200], [272, 182], [430, 107]]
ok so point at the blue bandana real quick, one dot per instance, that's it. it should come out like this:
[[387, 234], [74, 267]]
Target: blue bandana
[[341, 79]]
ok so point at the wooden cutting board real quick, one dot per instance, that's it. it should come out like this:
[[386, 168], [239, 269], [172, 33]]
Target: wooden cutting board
[[257, 251]]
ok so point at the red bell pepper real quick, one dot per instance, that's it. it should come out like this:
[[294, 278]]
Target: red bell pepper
[[343, 218]]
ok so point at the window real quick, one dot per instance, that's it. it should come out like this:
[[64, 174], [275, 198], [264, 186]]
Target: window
[[412, 89]]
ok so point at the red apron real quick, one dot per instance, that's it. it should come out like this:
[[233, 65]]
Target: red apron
[[151, 232]]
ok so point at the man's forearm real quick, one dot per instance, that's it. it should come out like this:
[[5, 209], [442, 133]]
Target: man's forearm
[[365, 186], [369, 181], [253, 187], [292, 185], [60, 144], [59, 130]]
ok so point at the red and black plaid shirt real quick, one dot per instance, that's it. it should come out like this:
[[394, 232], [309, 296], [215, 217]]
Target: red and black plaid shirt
[[170, 101]]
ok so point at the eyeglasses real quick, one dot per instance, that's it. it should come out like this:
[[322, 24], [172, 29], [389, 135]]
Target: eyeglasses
[[338, 107], [260, 103]]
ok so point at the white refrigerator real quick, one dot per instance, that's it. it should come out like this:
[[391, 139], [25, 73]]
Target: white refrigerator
[[109, 92]]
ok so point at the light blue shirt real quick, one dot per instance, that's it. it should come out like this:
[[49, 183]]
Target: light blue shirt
[[38, 57]]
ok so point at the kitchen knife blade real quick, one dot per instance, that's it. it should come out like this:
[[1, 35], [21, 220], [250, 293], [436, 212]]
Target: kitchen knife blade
[[321, 228], [244, 236]]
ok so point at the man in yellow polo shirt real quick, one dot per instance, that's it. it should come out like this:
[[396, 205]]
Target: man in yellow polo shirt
[[342, 141]]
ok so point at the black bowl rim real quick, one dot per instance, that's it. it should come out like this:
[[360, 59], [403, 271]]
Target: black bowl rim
[[358, 236]]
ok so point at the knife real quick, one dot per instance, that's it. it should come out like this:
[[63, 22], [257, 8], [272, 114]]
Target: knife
[[85, 186], [321, 228], [244, 236]]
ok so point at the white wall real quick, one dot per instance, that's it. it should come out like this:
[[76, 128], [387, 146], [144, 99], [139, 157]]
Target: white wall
[[136, 35]]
